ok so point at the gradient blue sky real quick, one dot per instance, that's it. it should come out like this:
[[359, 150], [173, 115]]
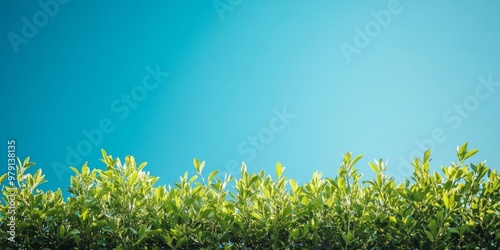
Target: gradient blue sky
[[232, 69]]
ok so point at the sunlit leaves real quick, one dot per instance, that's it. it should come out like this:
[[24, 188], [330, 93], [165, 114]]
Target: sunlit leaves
[[120, 208]]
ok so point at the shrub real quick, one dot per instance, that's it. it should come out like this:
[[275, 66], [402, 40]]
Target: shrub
[[121, 208]]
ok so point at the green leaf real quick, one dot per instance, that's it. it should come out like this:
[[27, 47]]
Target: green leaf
[[27, 164], [453, 230], [202, 165], [211, 176], [84, 215], [374, 167], [347, 237], [427, 154], [85, 169], [356, 159], [172, 206], [256, 215], [99, 224], [104, 157], [2, 178], [287, 211], [429, 235], [75, 170], [243, 167], [196, 163], [205, 213], [462, 149], [433, 227], [193, 178], [168, 239], [463, 229], [470, 153], [142, 230], [61, 232], [104, 154], [279, 170], [74, 231], [133, 230], [196, 190], [180, 242], [132, 178], [293, 184], [142, 166], [446, 201], [159, 193], [393, 219]]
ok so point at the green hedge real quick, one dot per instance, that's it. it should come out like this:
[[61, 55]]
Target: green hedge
[[121, 208]]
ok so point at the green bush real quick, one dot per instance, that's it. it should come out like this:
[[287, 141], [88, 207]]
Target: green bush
[[121, 208]]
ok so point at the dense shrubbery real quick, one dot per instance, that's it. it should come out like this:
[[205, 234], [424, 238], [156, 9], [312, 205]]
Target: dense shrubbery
[[119, 208]]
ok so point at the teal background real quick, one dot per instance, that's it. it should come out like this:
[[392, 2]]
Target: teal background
[[231, 65]]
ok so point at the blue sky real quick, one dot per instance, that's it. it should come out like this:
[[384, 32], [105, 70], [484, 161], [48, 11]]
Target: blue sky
[[300, 82]]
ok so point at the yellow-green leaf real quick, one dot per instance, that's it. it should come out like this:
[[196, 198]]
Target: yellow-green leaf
[[279, 169], [159, 193], [293, 184], [374, 167], [3, 177], [196, 163], [211, 176], [256, 215], [470, 153]]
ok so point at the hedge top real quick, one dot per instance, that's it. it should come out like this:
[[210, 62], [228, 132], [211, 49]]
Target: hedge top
[[120, 208]]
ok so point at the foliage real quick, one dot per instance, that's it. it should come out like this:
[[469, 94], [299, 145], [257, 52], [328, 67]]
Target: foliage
[[120, 208]]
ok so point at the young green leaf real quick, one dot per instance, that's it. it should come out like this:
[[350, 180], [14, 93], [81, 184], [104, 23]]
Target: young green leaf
[[374, 167], [356, 159], [446, 201], [142, 166], [211, 176], [293, 184], [470, 154], [2, 178], [75, 170], [462, 149], [427, 154], [159, 193], [243, 167], [196, 163], [279, 170]]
